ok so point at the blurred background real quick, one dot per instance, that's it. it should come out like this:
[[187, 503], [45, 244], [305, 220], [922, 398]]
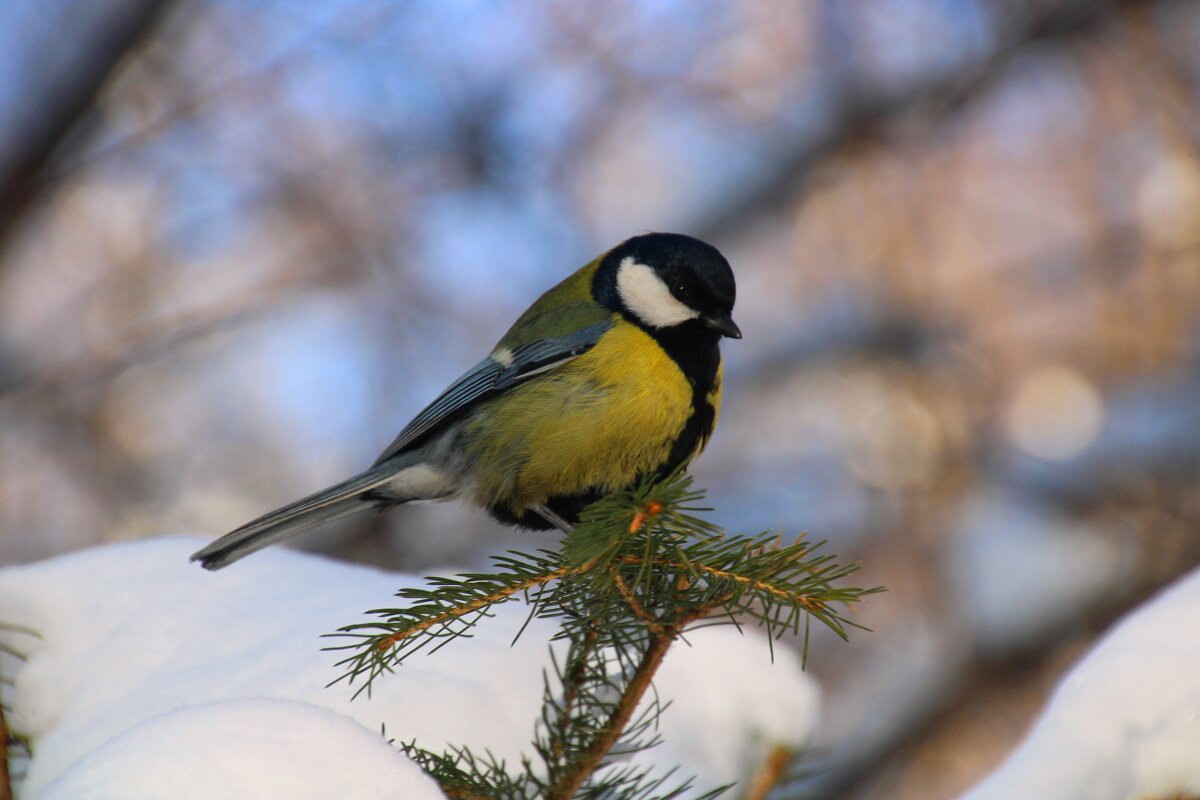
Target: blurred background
[[242, 242]]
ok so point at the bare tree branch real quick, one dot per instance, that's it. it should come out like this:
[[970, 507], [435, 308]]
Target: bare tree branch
[[65, 100], [6, 792], [862, 111]]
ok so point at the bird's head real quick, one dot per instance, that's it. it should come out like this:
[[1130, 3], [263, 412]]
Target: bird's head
[[664, 280]]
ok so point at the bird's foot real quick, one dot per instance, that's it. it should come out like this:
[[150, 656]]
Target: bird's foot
[[554, 519]]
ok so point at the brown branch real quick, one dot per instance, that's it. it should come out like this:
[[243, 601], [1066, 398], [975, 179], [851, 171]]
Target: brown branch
[[627, 595], [770, 773], [453, 794], [763, 586], [475, 605], [863, 112], [66, 100], [457, 794], [6, 792], [571, 687], [661, 641], [566, 787]]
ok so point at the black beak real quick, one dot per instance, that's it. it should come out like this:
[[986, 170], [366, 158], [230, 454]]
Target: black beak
[[724, 325]]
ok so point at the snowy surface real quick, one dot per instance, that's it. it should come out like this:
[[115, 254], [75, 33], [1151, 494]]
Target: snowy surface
[[1125, 722], [144, 663], [245, 749]]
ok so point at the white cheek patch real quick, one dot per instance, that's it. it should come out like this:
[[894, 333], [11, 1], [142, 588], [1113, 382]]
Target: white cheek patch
[[648, 298]]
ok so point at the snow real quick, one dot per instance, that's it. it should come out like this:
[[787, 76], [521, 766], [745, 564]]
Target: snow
[[1125, 721], [144, 663], [245, 748], [730, 704]]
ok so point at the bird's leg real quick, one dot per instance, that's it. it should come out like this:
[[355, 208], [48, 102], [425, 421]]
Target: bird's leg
[[554, 519]]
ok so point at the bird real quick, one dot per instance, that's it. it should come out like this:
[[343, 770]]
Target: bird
[[611, 376]]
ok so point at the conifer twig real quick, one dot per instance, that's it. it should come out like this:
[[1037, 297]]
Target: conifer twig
[[770, 773], [639, 682], [463, 794], [622, 592], [476, 604], [705, 569], [627, 595], [6, 792], [571, 686]]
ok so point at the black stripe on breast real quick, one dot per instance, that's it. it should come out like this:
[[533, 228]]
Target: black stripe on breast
[[695, 348]]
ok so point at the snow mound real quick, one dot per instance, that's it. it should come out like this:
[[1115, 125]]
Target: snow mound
[[135, 646], [1125, 721], [245, 748]]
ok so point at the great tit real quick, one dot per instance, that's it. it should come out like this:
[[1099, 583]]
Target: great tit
[[611, 376]]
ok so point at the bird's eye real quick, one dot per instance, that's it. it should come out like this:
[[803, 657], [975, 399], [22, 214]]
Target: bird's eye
[[682, 292]]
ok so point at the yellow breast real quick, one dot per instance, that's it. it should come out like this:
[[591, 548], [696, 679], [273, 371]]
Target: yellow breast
[[597, 422]]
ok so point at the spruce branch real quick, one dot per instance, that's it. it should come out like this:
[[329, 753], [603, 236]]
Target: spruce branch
[[770, 774], [463, 776], [6, 791], [638, 571], [613, 729], [450, 608], [12, 744]]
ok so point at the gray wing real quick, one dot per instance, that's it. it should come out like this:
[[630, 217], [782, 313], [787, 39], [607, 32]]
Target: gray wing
[[490, 377]]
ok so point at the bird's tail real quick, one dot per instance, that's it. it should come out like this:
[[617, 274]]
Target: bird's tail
[[329, 504]]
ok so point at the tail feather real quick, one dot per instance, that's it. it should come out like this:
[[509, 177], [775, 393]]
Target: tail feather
[[338, 501]]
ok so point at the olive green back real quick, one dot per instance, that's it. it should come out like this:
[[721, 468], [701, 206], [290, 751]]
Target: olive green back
[[562, 310]]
